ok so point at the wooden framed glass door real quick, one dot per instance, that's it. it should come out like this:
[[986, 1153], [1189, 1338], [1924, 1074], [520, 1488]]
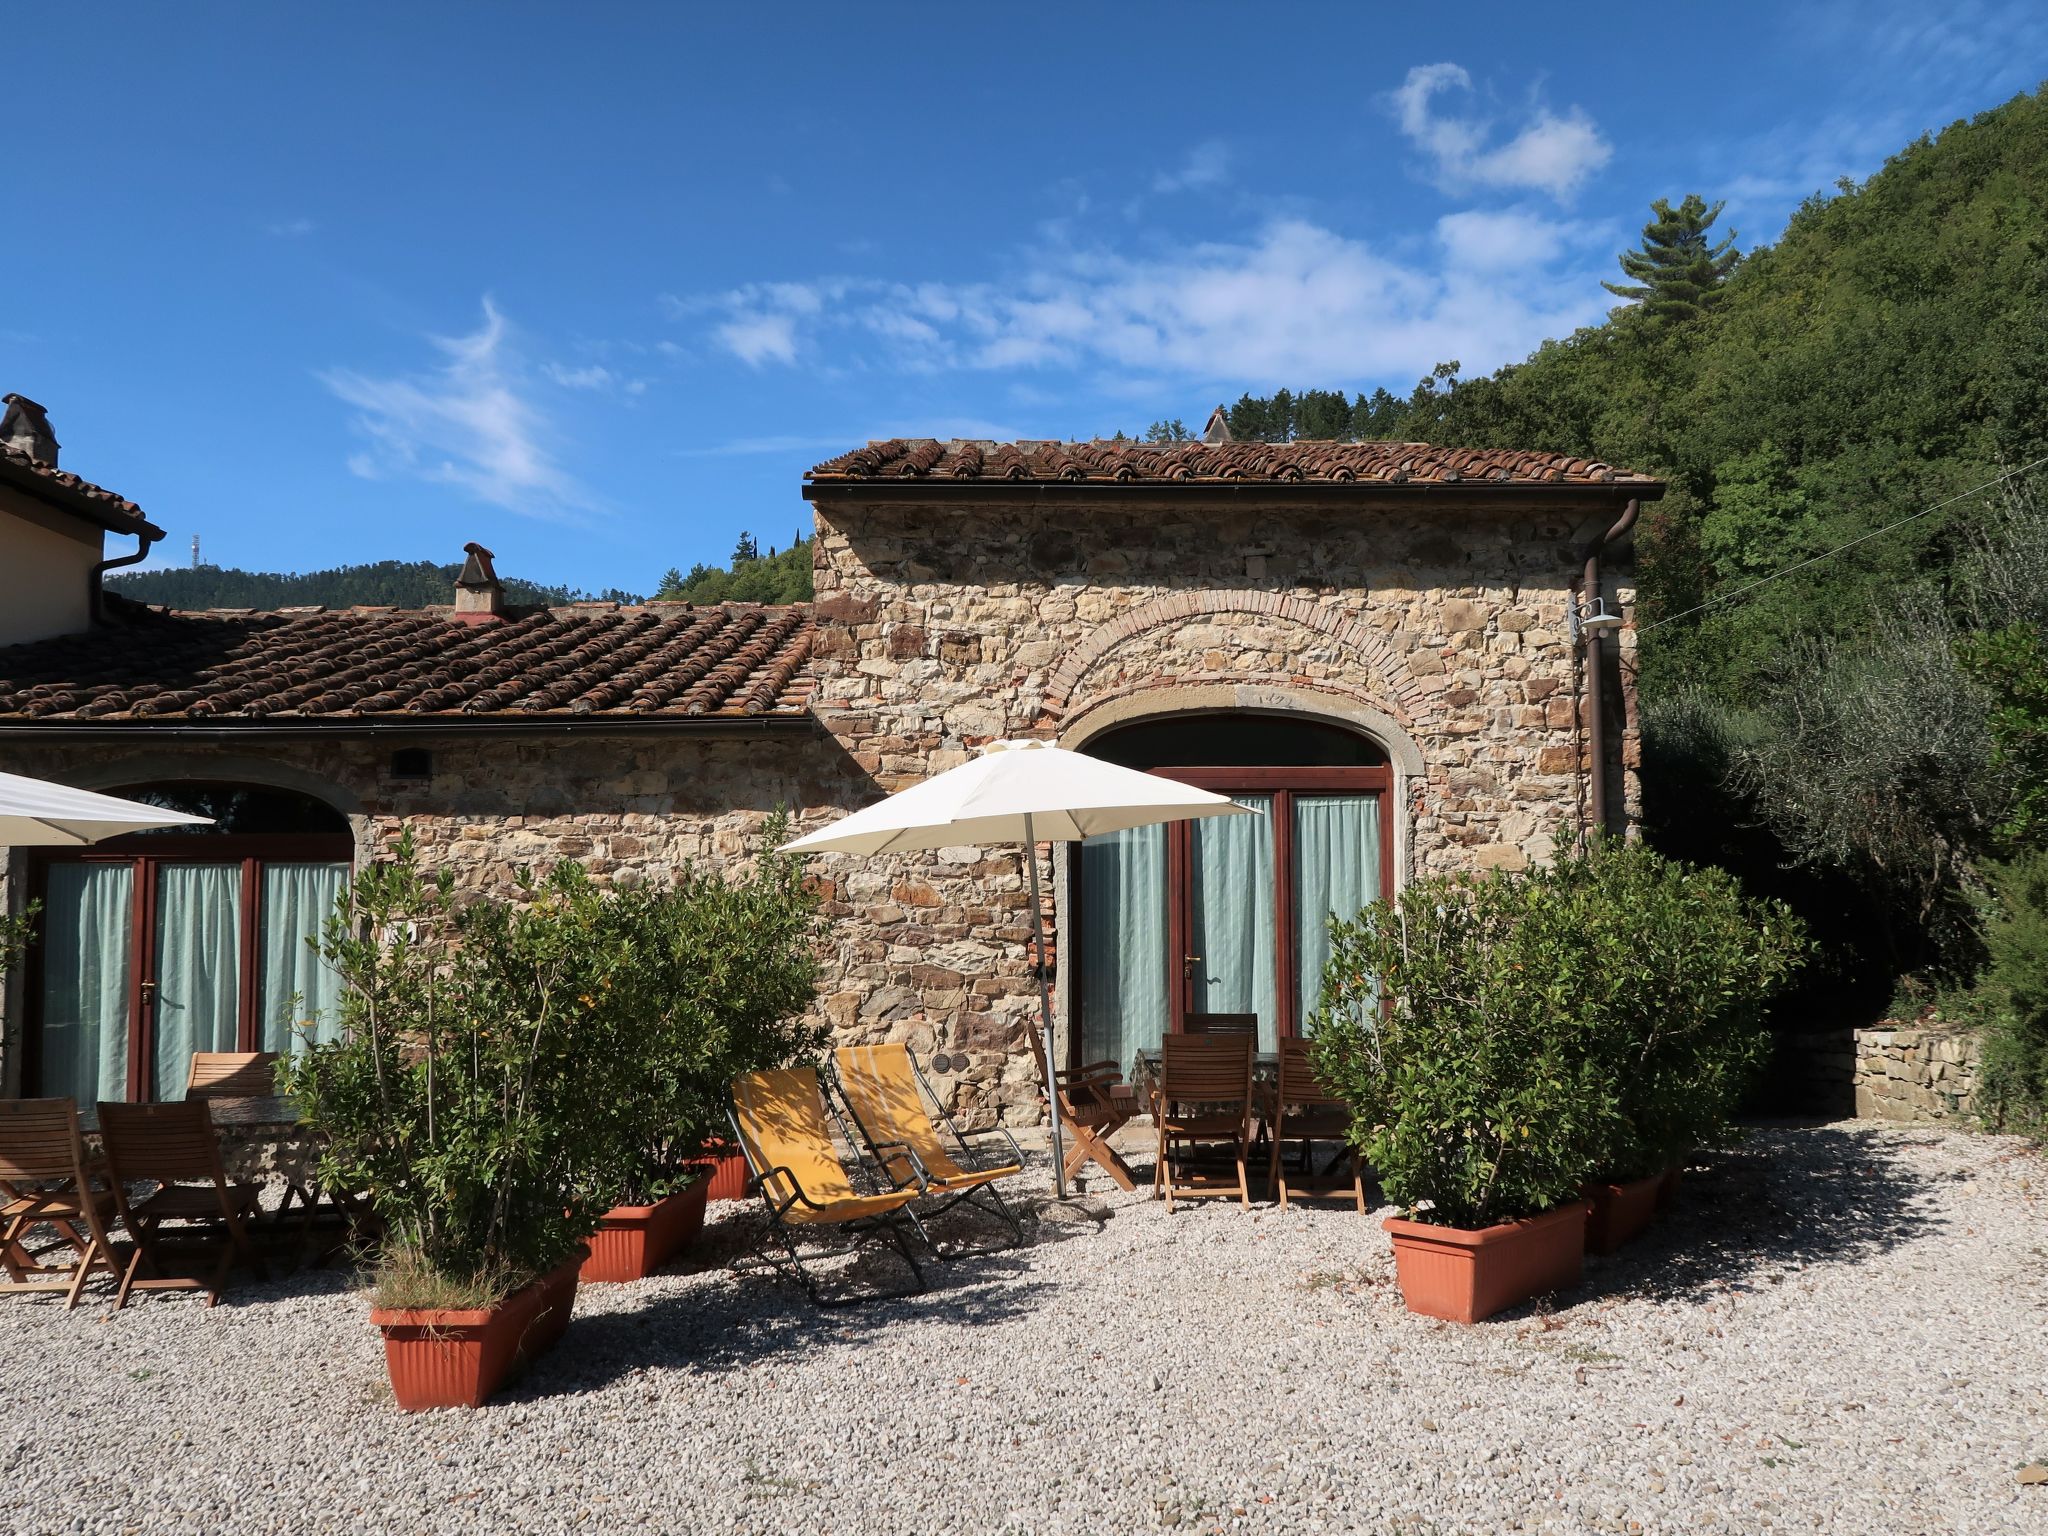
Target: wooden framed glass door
[[1227, 915], [196, 944]]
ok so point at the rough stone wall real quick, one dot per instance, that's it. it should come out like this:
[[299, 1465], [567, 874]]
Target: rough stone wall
[[1916, 1074], [947, 627]]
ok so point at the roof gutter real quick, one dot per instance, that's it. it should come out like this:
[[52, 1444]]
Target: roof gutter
[[1596, 724], [145, 537]]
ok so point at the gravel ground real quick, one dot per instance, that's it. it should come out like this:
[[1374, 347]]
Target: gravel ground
[[1842, 1328]]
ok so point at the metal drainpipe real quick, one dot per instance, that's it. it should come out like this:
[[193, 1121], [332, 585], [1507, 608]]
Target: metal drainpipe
[[143, 541], [1596, 704]]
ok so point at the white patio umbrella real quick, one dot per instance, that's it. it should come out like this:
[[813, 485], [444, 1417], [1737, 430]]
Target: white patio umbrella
[[1023, 792], [36, 814]]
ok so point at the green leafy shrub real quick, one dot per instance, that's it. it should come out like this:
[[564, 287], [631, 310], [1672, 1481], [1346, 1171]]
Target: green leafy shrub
[[722, 977], [457, 1093], [1501, 1039], [506, 1072], [2013, 1069]]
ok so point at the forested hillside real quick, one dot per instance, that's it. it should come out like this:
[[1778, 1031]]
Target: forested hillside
[[397, 583], [753, 577], [1864, 733]]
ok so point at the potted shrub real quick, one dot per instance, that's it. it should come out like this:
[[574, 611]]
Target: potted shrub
[[1678, 968], [456, 1098], [723, 979], [1479, 1091]]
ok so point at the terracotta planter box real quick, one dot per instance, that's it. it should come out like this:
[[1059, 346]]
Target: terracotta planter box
[[1620, 1212], [728, 1171], [1462, 1276], [456, 1359], [1667, 1187], [636, 1240]]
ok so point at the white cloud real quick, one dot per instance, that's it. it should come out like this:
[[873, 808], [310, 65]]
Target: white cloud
[[290, 229], [464, 423], [1207, 165], [1294, 303], [591, 376], [1550, 154]]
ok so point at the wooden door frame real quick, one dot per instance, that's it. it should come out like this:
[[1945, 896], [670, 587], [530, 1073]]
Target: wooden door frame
[[1282, 784], [146, 854]]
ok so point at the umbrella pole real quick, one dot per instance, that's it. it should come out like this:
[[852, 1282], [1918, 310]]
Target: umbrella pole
[[1052, 1093]]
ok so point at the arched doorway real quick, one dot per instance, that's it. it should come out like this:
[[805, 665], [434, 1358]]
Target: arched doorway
[[158, 944], [1225, 916]]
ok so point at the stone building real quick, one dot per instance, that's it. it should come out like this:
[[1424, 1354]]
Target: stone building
[[1377, 645]]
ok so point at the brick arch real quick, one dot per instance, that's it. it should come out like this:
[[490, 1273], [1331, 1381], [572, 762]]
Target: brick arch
[[1369, 645]]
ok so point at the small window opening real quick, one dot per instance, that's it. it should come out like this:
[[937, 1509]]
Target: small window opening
[[412, 763]]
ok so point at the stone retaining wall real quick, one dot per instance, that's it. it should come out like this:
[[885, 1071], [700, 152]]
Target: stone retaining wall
[[1915, 1074]]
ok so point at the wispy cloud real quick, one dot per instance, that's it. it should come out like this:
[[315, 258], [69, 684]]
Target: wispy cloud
[[1294, 301], [1207, 165], [290, 229], [1550, 153], [464, 422]]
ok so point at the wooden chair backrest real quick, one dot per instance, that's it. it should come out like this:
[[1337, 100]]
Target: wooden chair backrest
[[39, 1139], [880, 1086], [1221, 1024], [781, 1119], [160, 1142], [1206, 1069], [232, 1075], [1298, 1083]]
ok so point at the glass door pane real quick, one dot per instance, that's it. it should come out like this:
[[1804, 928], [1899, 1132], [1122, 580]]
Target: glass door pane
[[88, 916], [1124, 997], [295, 986], [1230, 964], [198, 968], [1336, 871]]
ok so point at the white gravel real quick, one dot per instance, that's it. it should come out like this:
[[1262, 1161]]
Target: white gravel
[[1843, 1328]]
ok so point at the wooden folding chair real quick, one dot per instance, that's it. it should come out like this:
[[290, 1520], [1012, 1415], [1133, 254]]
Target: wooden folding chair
[[1204, 1095], [899, 1116], [778, 1119], [174, 1147], [1221, 1024], [46, 1180], [1307, 1112], [232, 1075], [1094, 1103]]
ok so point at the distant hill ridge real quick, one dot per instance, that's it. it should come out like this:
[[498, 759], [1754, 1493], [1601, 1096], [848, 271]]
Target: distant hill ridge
[[382, 583]]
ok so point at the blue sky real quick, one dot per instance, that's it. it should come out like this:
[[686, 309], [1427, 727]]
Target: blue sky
[[595, 284]]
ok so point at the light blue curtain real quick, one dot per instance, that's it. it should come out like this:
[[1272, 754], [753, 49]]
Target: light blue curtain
[[86, 959], [1336, 872], [1232, 917], [198, 971], [297, 899], [1124, 999]]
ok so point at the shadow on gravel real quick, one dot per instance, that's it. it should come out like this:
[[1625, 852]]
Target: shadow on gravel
[[759, 1316], [1818, 1194]]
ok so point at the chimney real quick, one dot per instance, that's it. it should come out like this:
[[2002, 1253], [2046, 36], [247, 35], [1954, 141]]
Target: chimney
[[26, 429], [1218, 430], [478, 595]]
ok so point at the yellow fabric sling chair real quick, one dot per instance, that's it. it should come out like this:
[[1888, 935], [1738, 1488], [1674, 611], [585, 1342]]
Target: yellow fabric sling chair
[[779, 1121], [899, 1117]]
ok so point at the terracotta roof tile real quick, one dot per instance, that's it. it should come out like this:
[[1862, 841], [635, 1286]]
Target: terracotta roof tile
[[73, 492], [1108, 463], [593, 661]]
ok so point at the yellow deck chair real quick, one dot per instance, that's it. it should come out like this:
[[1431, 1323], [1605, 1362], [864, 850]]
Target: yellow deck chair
[[779, 1121], [900, 1117]]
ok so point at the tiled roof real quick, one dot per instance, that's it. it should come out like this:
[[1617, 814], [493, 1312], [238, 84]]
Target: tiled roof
[[73, 493], [1113, 463], [593, 661]]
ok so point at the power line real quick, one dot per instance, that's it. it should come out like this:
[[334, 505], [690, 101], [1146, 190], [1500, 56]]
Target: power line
[[1764, 581]]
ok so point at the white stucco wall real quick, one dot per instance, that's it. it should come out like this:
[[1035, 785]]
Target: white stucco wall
[[44, 573]]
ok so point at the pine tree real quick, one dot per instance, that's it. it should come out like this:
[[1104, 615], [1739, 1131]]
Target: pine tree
[[745, 550], [1174, 431], [1677, 273]]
